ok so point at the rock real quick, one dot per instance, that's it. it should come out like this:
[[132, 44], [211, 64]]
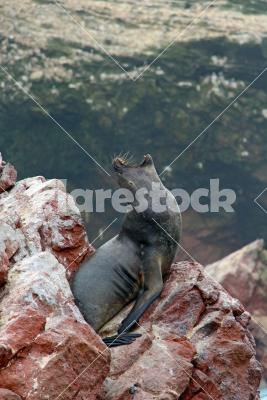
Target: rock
[[195, 346], [244, 275], [8, 176], [6, 394], [44, 218], [47, 350], [45, 342], [36, 75], [9, 244]]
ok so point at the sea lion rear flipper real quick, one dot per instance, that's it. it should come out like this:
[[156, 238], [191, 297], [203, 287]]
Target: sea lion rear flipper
[[152, 289]]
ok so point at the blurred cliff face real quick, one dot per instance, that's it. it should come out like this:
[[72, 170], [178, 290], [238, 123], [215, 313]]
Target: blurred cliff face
[[161, 112]]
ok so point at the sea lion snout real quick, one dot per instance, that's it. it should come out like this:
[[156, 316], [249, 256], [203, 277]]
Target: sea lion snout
[[148, 160], [134, 176]]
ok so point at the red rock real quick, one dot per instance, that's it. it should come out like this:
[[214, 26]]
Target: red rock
[[8, 246], [45, 343], [6, 394], [243, 274], [44, 217], [8, 177], [194, 346], [4, 262]]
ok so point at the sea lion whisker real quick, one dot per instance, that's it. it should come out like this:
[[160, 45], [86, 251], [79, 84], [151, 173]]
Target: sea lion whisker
[[126, 159]]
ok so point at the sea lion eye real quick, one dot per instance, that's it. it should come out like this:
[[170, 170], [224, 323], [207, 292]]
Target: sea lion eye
[[131, 183]]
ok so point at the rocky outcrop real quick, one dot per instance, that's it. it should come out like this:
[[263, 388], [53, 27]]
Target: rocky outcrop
[[195, 345], [37, 215], [244, 275], [6, 394], [8, 175], [45, 344], [195, 342]]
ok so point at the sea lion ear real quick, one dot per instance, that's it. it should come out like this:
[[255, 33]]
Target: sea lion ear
[[148, 160]]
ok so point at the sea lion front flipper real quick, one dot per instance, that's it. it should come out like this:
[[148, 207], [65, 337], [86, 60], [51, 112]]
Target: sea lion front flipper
[[152, 288], [121, 340]]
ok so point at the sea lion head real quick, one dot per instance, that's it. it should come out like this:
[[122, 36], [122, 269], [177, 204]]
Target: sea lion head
[[135, 176]]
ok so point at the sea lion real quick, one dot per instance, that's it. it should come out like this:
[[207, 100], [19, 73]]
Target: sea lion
[[130, 265]]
